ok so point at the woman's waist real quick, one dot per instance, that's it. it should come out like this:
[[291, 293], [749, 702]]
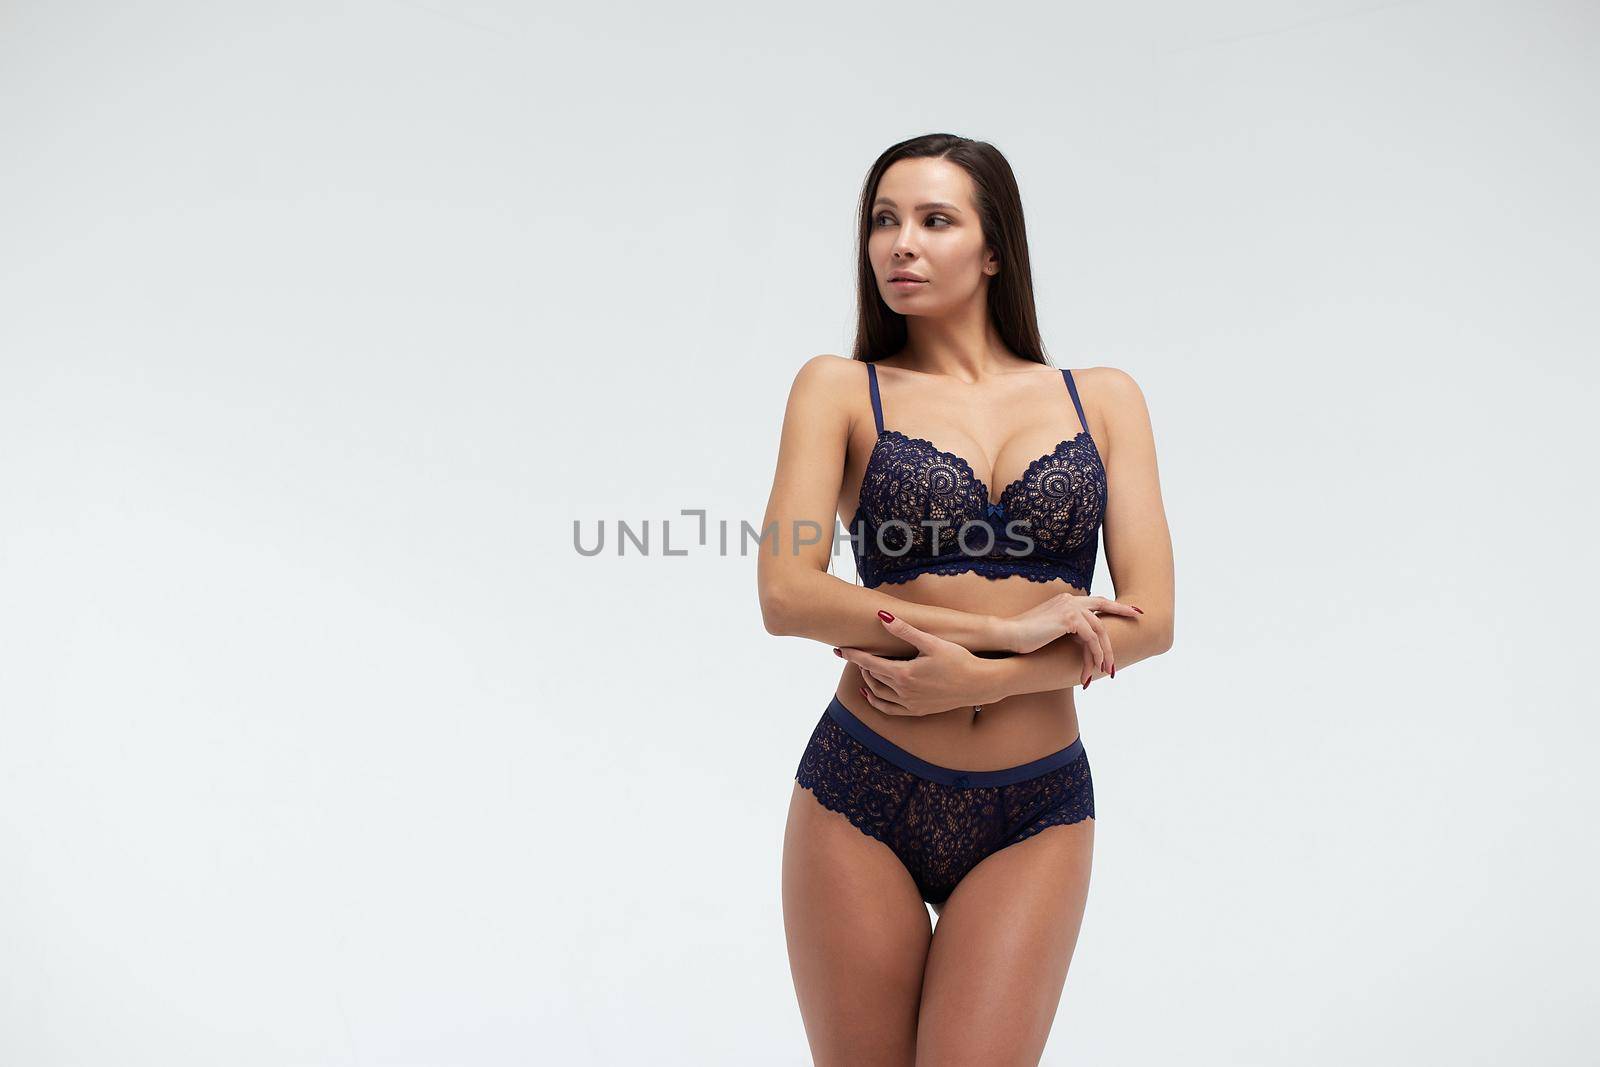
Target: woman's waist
[[986, 594], [1013, 731]]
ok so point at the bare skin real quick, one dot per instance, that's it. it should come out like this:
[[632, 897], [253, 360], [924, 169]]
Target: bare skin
[[878, 984], [876, 981]]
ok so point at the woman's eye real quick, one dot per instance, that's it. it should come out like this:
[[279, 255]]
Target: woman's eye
[[931, 218]]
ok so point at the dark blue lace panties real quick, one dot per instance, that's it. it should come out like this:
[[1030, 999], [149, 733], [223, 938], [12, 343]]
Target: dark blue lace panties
[[940, 821]]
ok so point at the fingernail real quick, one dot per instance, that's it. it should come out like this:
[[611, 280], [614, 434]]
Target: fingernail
[[1086, 682], [885, 616], [863, 690], [1113, 670], [1137, 608], [836, 652]]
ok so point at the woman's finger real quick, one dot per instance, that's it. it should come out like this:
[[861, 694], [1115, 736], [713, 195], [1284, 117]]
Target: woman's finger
[[864, 660], [888, 707], [1105, 644], [879, 687], [1089, 636]]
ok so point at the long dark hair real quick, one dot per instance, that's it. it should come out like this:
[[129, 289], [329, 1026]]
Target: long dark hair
[[881, 331]]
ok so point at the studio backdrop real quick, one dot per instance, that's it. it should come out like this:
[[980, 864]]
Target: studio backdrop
[[333, 338]]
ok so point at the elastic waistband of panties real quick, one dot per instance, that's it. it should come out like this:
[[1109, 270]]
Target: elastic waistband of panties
[[948, 775]]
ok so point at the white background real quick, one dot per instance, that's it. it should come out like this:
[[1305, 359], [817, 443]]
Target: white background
[[322, 323]]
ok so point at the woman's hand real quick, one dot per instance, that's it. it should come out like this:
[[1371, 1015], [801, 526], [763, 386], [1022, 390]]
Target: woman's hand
[[1063, 614], [942, 676]]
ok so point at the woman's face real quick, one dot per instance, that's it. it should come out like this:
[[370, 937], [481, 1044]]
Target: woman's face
[[924, 223]]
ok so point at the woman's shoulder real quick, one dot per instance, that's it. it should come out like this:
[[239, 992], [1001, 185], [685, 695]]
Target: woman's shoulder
[[829, 384], [829, 367], [828, 375], [1110, 390], [1110, 379], [1109, 384]]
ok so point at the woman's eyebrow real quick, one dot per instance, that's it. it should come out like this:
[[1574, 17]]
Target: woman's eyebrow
[[919, 207]]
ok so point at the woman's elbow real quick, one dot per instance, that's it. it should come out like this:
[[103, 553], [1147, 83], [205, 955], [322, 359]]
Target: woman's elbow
[[1164, 636], [774, 609], [788, 597]]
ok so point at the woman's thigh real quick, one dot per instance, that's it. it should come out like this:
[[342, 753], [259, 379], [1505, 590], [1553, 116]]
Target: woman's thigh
[[858, 935], [999, 956]]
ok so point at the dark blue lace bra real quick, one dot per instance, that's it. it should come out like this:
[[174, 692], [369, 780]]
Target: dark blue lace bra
[[923, 511]]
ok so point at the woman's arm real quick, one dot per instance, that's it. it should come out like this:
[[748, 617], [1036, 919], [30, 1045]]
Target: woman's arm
[[1062, 664], [1138, 553], [799, 598]]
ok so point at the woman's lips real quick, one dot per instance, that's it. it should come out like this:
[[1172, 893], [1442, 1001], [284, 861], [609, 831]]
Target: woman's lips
[[906, 283]]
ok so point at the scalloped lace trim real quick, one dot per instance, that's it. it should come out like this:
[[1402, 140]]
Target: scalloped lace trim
[[989, 570], [1026, 472]]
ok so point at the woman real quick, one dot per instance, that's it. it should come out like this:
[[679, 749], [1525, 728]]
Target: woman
[[973, 479]]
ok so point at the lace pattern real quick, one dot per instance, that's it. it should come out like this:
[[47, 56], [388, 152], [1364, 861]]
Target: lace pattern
[[923, 510], [939, 832]]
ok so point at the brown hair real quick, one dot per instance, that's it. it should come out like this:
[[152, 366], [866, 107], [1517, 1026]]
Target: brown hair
[[881, 331]]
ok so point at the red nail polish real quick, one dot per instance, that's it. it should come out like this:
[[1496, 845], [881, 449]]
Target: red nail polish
[[863, 690], [1137, 608], [836, 652], [1086, 683], [885, 616], [1113, 670]]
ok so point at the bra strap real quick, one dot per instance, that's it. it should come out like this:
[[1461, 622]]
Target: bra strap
[[877, 402], [1073, 389]]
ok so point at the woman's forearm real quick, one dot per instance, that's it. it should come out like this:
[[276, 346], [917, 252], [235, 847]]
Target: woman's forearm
[[1060, 664], [824, 608]]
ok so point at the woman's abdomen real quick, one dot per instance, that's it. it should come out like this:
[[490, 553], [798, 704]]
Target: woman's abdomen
[[1015, 730]]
